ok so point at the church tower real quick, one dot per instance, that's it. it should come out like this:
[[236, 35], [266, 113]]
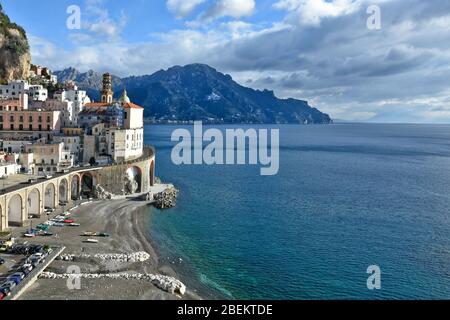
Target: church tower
[[107, 92]]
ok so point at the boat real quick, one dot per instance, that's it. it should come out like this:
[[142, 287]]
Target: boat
[[69, 221], [29, 235], [91, 241], [90, 234], [104, 235], [73, 224], [59, 225]]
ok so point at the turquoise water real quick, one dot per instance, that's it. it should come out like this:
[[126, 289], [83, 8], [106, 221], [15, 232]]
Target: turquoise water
[[346, 197]]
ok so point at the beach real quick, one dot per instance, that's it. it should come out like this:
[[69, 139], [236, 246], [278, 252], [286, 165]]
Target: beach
[[125, 221]]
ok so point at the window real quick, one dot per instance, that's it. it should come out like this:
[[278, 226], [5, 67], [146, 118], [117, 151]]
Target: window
[[1, 118], [11, 118], [30, 118], [30, 127], [40, 119], [20, 118]]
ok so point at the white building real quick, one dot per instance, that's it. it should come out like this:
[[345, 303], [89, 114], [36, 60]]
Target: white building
[[67, 116], [14, 146], [7, 169], [15, 88], [79, 98], [50, 158], [72, 145]]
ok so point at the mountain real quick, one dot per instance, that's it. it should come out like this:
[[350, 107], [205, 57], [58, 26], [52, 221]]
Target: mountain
[[15, 58], [199, 92]]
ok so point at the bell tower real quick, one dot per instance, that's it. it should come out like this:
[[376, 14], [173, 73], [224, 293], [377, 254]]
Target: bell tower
[[107, 92]]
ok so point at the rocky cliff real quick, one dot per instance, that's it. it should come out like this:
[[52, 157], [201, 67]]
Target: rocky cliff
[[15, 58]]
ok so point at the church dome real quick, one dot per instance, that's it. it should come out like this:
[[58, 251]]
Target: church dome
[[124, 98]]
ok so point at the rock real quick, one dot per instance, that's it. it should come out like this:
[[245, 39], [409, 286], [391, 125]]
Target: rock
[[168, 284], [101, 194], [15, 58], [166, 199]]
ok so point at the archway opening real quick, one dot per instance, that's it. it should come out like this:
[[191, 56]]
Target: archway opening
[[49, 197], [133, 180], [152, 173], [75, 188], [63, 192], [15, 210], [87, 185], [34, 203]]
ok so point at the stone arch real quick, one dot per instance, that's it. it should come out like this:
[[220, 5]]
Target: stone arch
[[133, 180], [152, 173], [63, 191], [88, 181], [75, 187], [15, 210], [50, 196], [34, 202]]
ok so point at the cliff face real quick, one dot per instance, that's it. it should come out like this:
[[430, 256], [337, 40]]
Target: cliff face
[[15, 58]]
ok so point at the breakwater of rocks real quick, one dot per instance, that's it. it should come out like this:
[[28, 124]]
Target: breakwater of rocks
[[118, 257], [166, 199], [166, 283]]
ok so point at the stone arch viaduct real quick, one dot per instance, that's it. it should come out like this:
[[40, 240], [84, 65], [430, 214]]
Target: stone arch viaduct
[[34, 198]]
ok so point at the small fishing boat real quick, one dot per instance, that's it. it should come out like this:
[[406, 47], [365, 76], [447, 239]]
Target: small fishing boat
[[91, 241], [90, 234], [73, 224]]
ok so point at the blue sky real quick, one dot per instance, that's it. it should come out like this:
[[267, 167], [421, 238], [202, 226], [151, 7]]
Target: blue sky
[[318, 50]]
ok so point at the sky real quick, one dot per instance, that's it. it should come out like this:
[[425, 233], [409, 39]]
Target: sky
[[317, 50]]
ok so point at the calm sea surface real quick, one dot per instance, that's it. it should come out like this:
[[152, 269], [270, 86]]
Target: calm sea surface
[[346, 197]]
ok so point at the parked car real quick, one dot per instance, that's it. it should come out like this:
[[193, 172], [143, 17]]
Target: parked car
[[37, 258], [16, 279], [8, 285], [26, 269], [5, 290], [2, 261], [19, 274], [49, 210], [2, 296]]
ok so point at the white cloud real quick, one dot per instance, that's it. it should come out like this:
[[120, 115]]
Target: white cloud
[[182, 8], [228, 8], [311, 12], [341, 67], [97, 20]]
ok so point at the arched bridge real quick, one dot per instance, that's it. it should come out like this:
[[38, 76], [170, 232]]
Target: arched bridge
[[19, 202]]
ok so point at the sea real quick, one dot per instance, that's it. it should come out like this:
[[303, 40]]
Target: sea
[[346, 197]]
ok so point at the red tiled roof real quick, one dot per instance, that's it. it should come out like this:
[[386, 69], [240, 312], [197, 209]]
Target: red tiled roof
[[97, 104], [131, 105], [128, 105]]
